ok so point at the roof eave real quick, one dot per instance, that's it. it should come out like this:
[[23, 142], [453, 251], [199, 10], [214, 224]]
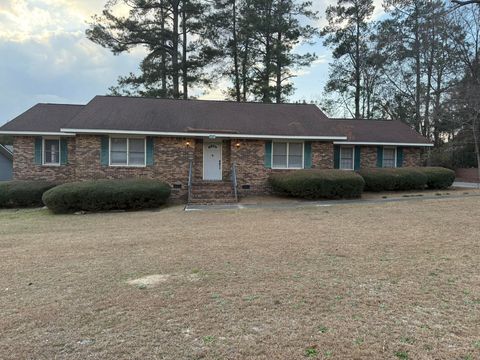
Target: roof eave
[[35, 133], [200, 134], [413, 144]]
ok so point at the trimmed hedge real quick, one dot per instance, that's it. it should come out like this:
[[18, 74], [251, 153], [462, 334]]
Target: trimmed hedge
[[104, 195], [14, 194], [383, 179], [438, 177], [316, 184]]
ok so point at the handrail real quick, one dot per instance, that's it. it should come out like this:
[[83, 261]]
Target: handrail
[[234, 181], [190, 181]]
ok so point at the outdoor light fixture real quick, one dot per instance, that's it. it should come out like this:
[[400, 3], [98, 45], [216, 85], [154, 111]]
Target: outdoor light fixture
[[187, 143], [237, 144]]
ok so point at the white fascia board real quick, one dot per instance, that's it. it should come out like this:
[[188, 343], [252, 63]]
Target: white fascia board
[[379, 143], [193, 134], [35, 133]]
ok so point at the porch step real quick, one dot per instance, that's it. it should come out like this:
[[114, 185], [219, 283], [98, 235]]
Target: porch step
[[212, 192]]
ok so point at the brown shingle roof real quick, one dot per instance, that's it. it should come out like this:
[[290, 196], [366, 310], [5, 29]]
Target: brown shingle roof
[[43, 118], [135, 114], [166, 115], [378, 131]]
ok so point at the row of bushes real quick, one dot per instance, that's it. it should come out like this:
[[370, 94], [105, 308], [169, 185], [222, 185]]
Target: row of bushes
[[336, 184], [315, 184], [99, 195], [407, 178], [103, 195]]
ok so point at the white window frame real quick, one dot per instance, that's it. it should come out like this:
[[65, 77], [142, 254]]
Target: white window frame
[[128, 151], [59, 151], [288, 150], [340, 158], [394, 156]]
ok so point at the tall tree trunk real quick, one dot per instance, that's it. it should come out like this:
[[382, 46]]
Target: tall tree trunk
[[416, 49], [436, 109], [431, 59], [184, 51], [357, 69], [475, 141], [235, 52], [268, 55], [245, 70], [175, 34], [278, 84], [369, 95], [163, 54]]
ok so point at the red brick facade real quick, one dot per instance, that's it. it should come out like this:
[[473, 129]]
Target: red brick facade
[[172, 157]]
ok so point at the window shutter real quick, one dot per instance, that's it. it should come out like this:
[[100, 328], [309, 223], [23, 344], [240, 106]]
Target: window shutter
[[399, 156], [63, 151], [336, 156], [104, 151], [38, 151], [380, 156], [149, 151], [358, 151], [268, 154], [307, 155]]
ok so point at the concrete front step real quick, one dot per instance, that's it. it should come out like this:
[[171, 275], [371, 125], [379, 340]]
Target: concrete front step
[[212, 192], [213, 199]]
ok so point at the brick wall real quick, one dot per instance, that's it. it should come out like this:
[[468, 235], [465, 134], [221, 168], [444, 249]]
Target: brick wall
[[368, 157], [171, 162], [250, 160], [413, 157], [322, 155], [467, 174], [24, 167]]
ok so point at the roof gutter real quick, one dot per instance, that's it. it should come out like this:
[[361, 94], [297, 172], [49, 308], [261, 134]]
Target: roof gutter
[[200, 134], [380, 143], [35, 133]]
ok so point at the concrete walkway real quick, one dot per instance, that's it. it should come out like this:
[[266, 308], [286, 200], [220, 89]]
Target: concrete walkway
[[323, 203], [467, 185]]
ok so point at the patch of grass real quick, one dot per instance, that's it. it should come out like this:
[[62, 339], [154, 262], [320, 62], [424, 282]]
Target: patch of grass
[[407, 340], [476, 344], [402, 355], [208, 339], [322, 329], [328, 353], [359, 341], [311, 351]]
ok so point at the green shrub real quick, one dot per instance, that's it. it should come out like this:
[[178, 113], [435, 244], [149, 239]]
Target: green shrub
[[383, 179], [103, 195], [438, 177], [23, 193], [316, 184]]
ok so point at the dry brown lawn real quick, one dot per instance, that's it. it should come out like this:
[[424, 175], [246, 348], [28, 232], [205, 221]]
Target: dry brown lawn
[[379, 281]]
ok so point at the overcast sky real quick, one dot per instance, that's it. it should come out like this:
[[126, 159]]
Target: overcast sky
[[45, 57]]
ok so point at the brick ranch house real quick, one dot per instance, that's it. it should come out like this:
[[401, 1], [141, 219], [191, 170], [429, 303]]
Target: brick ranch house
[[204, 141]]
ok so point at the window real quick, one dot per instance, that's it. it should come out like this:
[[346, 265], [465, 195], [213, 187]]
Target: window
[[346, 158], [389, 157], [51, 151], [287, 155], [127, 151]]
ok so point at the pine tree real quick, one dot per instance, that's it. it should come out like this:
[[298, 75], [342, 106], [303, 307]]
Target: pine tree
[[346, 34]]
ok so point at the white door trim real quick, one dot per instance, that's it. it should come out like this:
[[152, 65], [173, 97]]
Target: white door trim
[[205, 143]]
